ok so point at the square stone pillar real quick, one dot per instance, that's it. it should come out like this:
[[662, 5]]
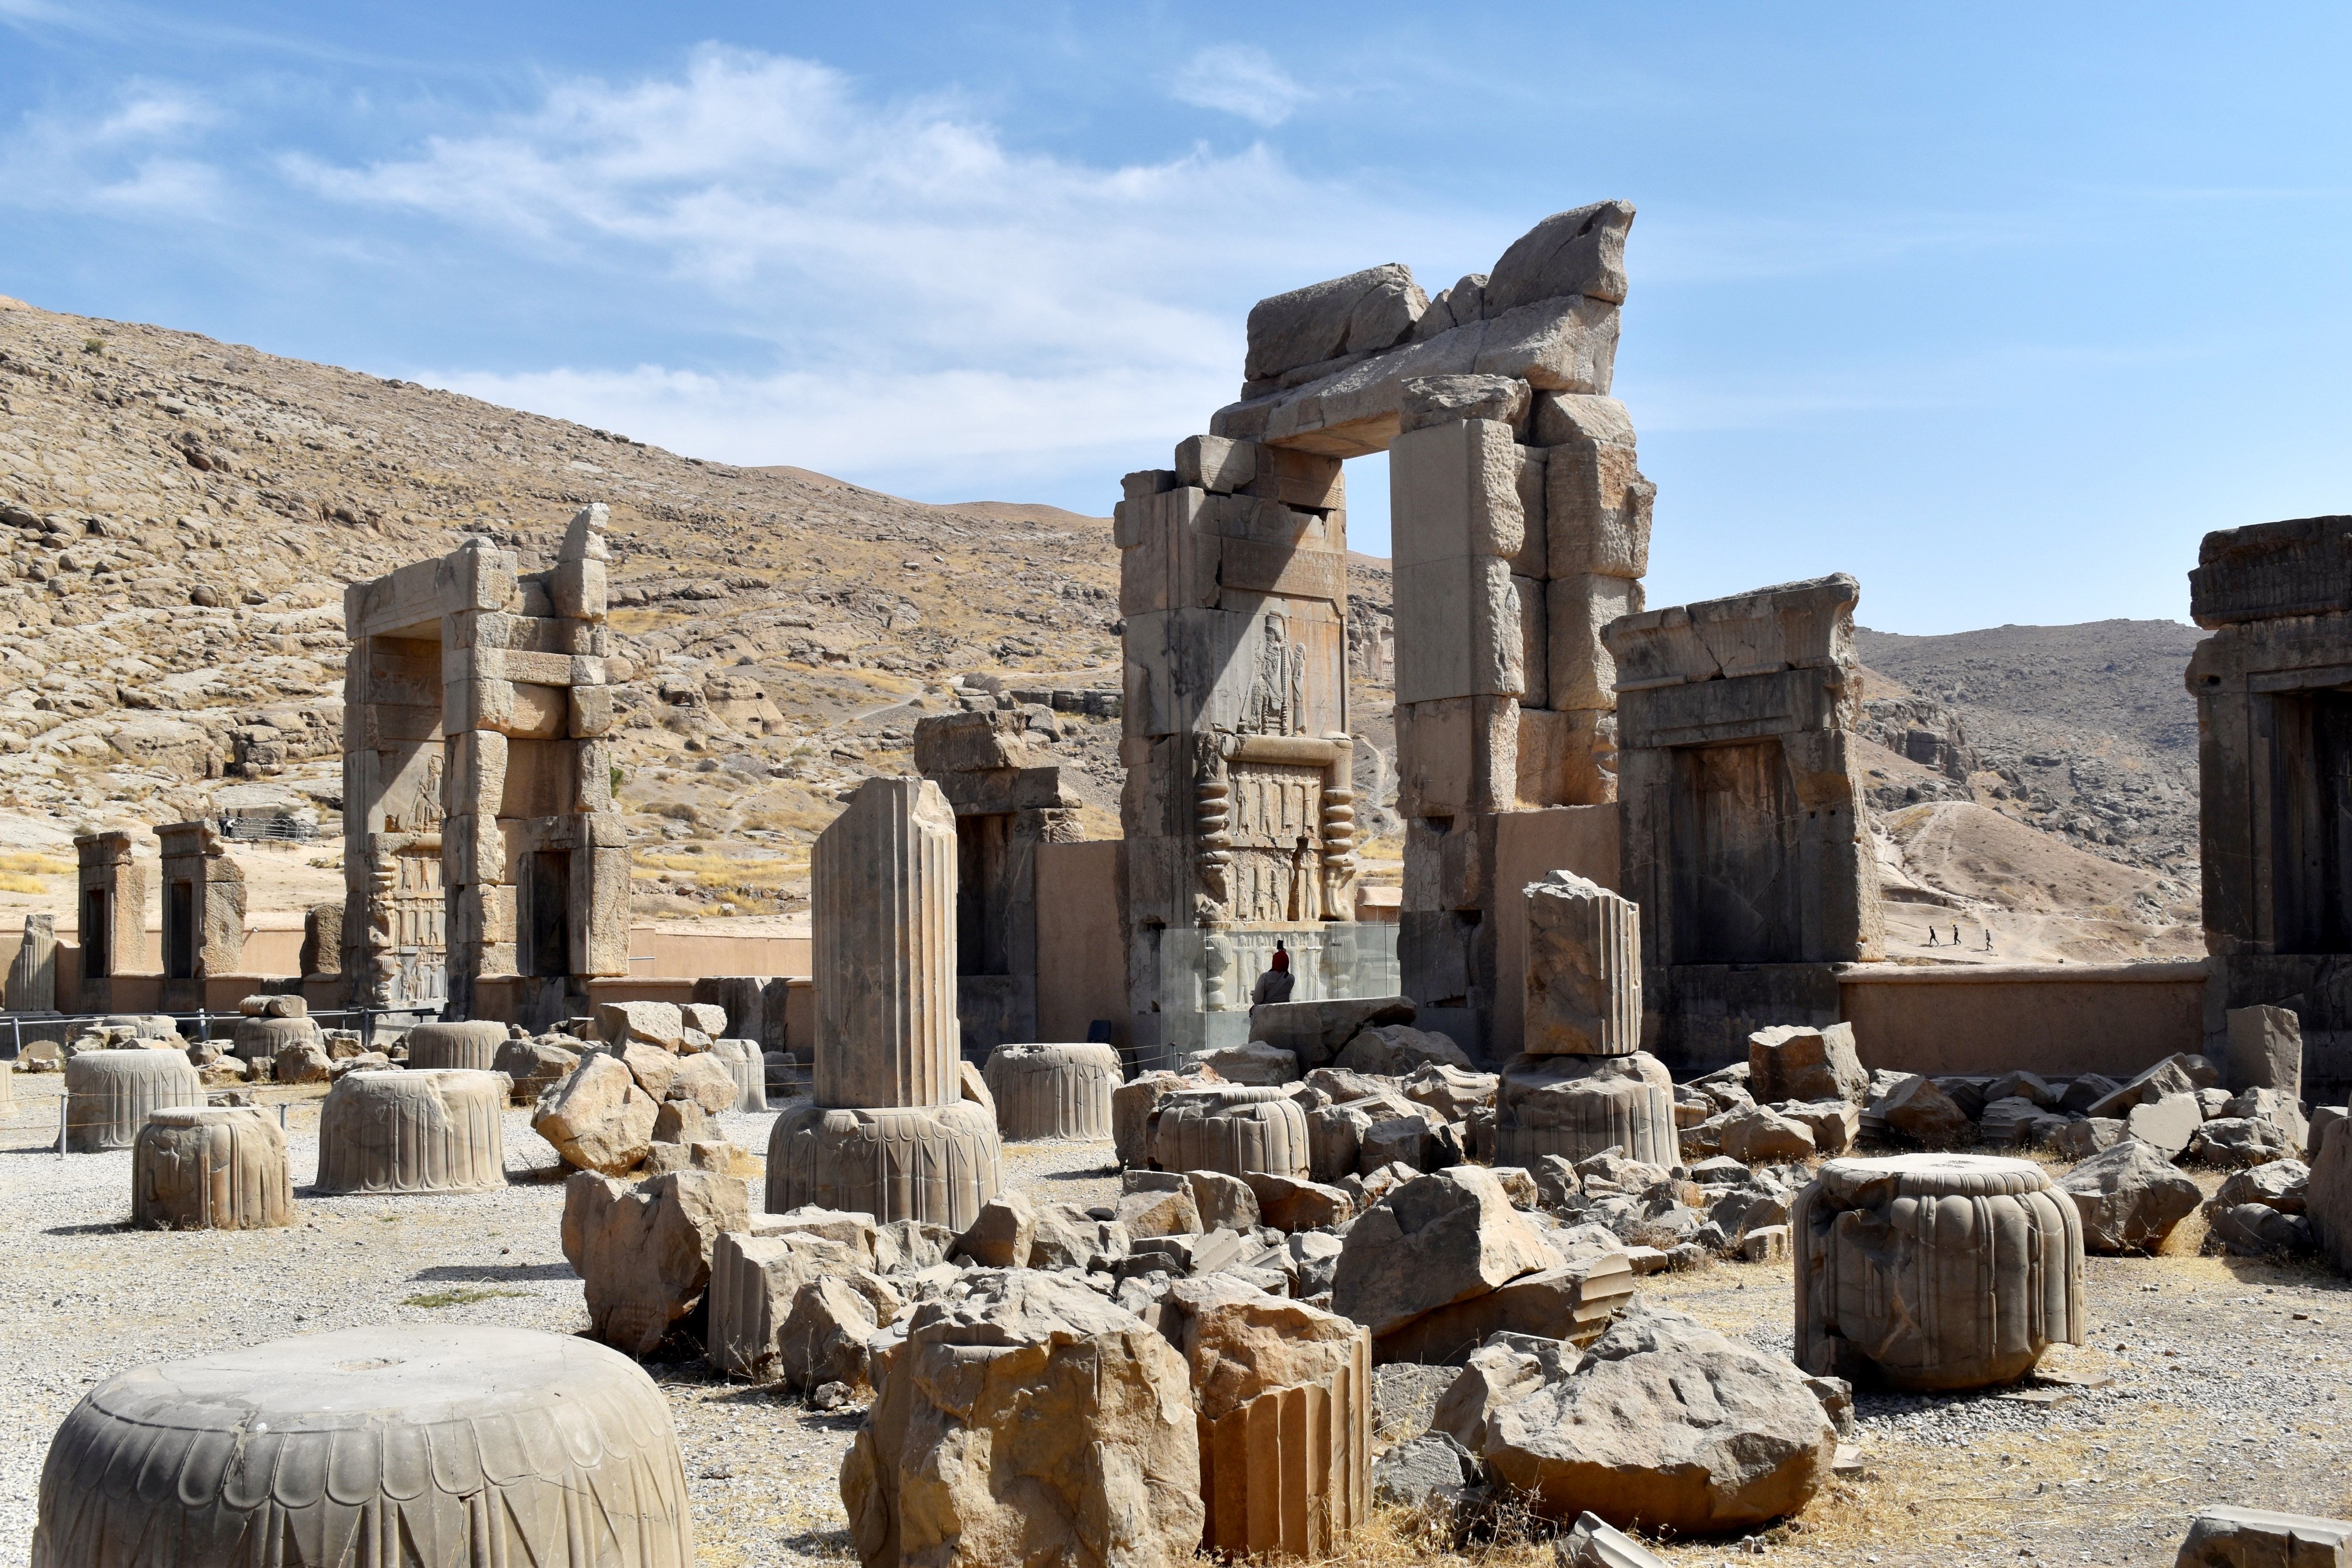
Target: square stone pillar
[[203, 912]]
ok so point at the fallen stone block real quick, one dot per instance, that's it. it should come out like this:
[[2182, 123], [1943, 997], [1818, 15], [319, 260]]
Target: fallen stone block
[[1760, 1133], [645, 1252], [1798, 1062], [1002, 1235], [1431, 1473], [1572, 1302], [1393, 1050], [1667, 1423], [2167, 1123], [1226, 1203], [598, 1118], [2257, 1230], [2282, 1184], [2255, 1538], [657, 1024], [1288, 1204], [2236, 1141], [1435, 1240], [1029, 1421], [1920, 1111], [2085, 1136], [2130, 1197], [1253, 1063], [1316, 1032]]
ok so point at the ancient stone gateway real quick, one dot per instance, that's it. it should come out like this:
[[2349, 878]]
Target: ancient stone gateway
[[1744, 843], [1520, 524], [486, 867], [1005, 804], [2274, 690], [113, 913], [203, 912]]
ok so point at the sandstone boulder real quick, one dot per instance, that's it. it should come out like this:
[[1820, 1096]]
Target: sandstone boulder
[[1759, 1133], [2130, 1196], [1665, 1425], [645, 1252], [1002, 1235], [1253, 1063], [1799, 1061], [1923, 1113], [1392, 1050], [598, 1118], [1435, 1240], [1029, 1422]]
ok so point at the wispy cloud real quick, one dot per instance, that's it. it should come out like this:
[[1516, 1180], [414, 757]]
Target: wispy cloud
[[131, 156], [1240, 79]]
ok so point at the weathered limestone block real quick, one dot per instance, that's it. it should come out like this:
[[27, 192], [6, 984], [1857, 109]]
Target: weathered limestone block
[[657, 1024], [1161, 1205], [111, 1094], [1001, 1236], [2265, 1050], [743, 1063], [653, 1067], [1315, 1032], [1362, 313], [703, 1080], [1584, 969], [1935, 1271], [1392, 1050], [644, 1252], [304, 1061], [1918, 1109], [343, 1447], [432, 1132], [598, 1118], [1758, 1134], [824, 1337], [533, 1067], [2256, 1538], [1335, 1140], [1252, 1062], [1053, 1090], [883, 895], [2167, 1123], [1283, 1392], [1571, 1303], [756, 1276], [1030, 1421], [937, 1164], [473, 1047], [1799, 1061], [1577, 1107], [1667, 1425], [2130, 1196], [210, 1168], [1236, 1130], [1288, 1204], [1437, 1239]]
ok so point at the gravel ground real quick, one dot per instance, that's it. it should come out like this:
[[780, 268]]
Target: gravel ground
[[86, 1297], [2213, 1379]]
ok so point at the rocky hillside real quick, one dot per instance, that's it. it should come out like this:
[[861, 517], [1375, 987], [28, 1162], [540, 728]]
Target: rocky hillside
[[2085, 732]]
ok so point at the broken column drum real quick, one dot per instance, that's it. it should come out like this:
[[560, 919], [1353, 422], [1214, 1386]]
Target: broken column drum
[[1744, 845], [210, 1168], [1935, 1271], [1007, 801], [1520, 524], [259, 1039], [2275, 754], [32, 973], [375, 1448], [486, 863], [472, 1047], [1577, 1107], [748, 1067], [111, 1094], [203, 912], [889, 1132], [1236, 1130], [431, 1132], [1053, 1090]]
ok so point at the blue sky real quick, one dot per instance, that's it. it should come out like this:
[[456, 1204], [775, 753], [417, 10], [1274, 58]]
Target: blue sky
[[1998, 308]]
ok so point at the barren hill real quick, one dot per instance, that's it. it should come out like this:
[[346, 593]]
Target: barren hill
[[179, 517]]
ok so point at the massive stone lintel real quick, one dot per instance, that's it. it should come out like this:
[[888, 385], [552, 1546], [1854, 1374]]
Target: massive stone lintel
[[1744, 843], [2274, 743]]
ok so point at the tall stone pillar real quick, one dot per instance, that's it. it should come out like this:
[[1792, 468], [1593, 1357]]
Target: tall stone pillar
[[203, 912], [890, 1133], [114, 914], [33, 976], [883, 906]]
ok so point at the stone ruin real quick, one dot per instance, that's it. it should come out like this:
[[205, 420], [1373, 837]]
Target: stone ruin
[[2274, 758], [488, 867], [1743, 840], [203, 912], [1005, 804], [112, 925], [890, 1133]]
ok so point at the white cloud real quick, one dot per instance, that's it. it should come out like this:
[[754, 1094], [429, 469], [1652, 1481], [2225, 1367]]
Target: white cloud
[[931, 294], [130, 157], [1239, 79]]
